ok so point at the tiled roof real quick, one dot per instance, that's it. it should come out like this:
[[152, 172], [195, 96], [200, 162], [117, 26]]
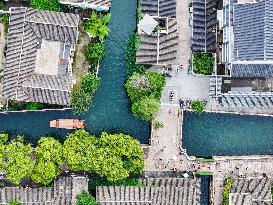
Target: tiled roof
[[106, 3], [256, 191], [162, 8], [159, 48], [63, 192], [159, 191], [252, 70], [253, 31], [204, 25], [28, 27]]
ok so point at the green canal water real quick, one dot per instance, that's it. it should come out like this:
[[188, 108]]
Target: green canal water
[[110, 111], [211, 134]]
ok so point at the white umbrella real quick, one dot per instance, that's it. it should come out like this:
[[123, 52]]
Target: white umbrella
[[147, 24]]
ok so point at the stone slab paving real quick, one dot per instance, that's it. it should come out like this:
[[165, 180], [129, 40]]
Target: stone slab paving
[[2, 48], [166, 154]]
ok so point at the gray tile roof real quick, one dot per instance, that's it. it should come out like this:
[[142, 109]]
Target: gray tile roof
[[247, 99], [204, 25], [28, 27], [163, 8], [95, 2], [63, 192], [253, 31], [252, 70], [255, 191], [159, 48], [158, 191]]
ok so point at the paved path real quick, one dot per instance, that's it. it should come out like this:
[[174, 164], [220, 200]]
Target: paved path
[[166, 154], [2, 48], [185, 86]]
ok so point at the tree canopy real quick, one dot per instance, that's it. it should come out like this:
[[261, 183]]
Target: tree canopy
[[113, 156], [90, 83], [97, 25], [51, 5], [146, 108], [18, 162], [80, 100], [94, 52], [3, 140], [145, 91], [85, 198], [49, 158], [79, 149]]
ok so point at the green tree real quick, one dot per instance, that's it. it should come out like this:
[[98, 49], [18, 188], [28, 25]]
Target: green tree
[[157, 83], [18, 162], [198, 106], [147, 84], [79, 149], [5, 21], [110, 166], [94, 52], [118, 156], [3, 140], [146, 108], [97, 26], [49, 158], [137, 86], [90, 83], [51, 5], [85, 198], [80, 100]]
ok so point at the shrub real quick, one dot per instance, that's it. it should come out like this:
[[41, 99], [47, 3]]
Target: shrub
[[139, 13], [51, 5], [97, 26], [5, 21], [198, 106], [130, 56], [34, 106], [2, 5], [146, 108], [85, 198], [203, 63], [90, 83], [227, 188], [80, 101], [14, 203], [158, 124], [94, 52], [95, 181]]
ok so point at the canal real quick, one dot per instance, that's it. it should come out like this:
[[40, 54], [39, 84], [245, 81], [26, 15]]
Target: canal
[[211, 134], [110, 111]]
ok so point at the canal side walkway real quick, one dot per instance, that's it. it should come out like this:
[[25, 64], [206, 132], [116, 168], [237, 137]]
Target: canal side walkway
[[2, 48], [166, 153]]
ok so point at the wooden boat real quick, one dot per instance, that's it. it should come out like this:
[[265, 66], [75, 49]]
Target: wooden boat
[[67, 123]]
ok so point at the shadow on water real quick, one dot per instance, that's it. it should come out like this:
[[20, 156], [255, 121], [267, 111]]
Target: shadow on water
[[110, 111]]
